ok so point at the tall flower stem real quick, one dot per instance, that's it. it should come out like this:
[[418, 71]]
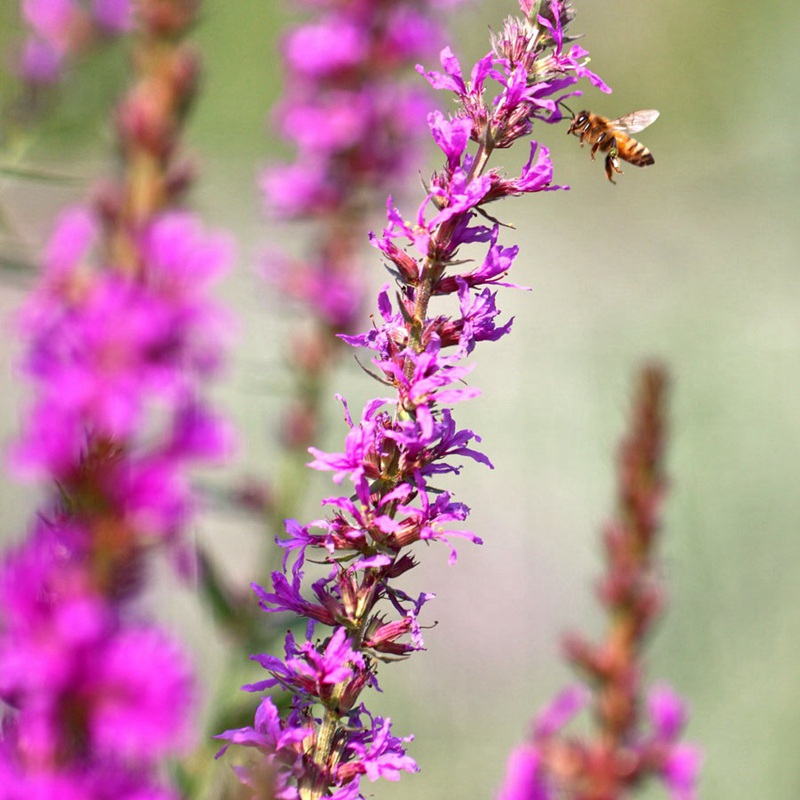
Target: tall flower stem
[[149, 122], [629, 746]]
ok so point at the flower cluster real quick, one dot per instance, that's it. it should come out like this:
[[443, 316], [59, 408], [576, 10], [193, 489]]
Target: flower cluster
[[630, 747], [109, 354], [60, 29], [397, 452], [119, 336], [345, 109], [90, 721]]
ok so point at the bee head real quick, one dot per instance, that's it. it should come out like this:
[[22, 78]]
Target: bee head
[[578, 121]]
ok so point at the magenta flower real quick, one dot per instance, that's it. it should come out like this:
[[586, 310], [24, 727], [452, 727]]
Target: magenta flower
[[289, 597], [37, 629], [376, 753], [561, 711], [680, 763], [50, 18], [354, 125], [345, 108], [105, 348], [279, 742], [114, 16], [40, 62], [452, 136], [135, 715]]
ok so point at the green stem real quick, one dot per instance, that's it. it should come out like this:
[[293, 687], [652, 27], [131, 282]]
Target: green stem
[[432, 269]]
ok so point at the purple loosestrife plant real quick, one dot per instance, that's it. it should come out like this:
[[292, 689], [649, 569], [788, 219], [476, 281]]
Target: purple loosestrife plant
[[405, 440], [119, 334], [355, 122], [631, 745]]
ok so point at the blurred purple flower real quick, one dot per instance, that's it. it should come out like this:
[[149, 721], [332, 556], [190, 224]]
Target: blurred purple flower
[[105, 348], [136, 716], [116, 363], [115, 16], [524, 779], [680, 765], [59, 30], [566, 705], [62, 647], [40, 62]]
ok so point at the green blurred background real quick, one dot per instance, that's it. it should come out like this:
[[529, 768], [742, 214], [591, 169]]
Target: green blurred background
[[693, 261]]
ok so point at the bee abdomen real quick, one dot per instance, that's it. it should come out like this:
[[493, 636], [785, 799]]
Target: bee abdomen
[[638, 155]]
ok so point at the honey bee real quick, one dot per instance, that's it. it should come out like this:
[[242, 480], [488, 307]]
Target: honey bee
[[612, 136]]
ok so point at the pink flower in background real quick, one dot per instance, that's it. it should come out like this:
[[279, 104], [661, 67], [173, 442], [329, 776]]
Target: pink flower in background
[[114, 16], [134, 715], [120, 338], [353, 122], [523, 779], [105, 349], [625, 748], [40, 62], [51, 19], [61, 29], [64, 647], [117, 362], [679, 762]]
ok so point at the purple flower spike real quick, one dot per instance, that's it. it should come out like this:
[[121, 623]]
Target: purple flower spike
[[119, 337], [393, 457], [627, 749]]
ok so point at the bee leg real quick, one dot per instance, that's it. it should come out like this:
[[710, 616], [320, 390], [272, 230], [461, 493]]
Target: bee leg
[[612, 165]]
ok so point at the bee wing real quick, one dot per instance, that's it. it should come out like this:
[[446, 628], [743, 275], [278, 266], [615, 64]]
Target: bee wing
[[635, 122]]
